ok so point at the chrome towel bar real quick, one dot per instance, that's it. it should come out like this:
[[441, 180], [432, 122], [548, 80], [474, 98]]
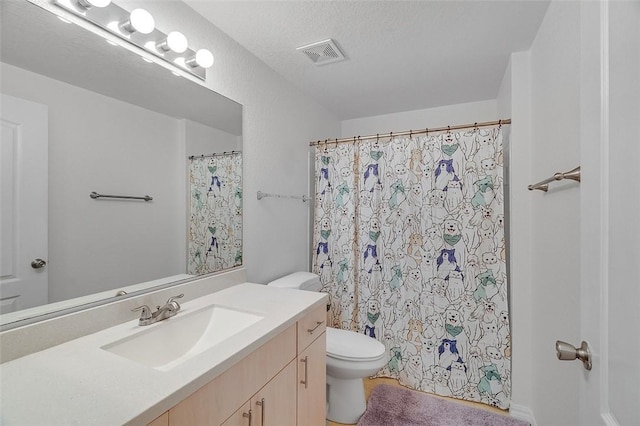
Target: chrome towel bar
[[262, 195], [544, 184], [95, 196]]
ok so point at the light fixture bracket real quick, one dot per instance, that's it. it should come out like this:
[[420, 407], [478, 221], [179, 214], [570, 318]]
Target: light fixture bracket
[[108, 18]]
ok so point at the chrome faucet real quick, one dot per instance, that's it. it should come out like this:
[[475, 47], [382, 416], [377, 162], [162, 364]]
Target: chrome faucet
[[163, 312]]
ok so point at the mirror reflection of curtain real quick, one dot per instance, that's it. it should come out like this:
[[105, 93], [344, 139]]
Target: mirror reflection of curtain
[[409, 244], [215, 222]]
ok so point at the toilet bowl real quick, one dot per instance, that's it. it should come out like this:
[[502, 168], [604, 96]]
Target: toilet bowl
[[350, 357]]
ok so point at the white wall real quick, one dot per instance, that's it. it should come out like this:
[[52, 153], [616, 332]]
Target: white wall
[[278, 123], [471, 112], [100, 144], [203, 140], [514, 99]]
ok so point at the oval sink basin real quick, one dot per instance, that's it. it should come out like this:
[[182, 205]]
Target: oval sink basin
[[173, 341]]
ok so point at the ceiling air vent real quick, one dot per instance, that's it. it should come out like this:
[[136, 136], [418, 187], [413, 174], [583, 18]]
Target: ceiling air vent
[[322, 52]]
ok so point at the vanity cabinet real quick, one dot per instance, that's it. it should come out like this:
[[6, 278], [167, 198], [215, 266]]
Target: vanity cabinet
[[312, 377], [284, 380], [219, 399], [312, 383], [273, 405]]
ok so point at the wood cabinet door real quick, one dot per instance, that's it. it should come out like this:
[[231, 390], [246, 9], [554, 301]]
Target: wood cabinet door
[[242, 417], [312, 384], [275, 404]]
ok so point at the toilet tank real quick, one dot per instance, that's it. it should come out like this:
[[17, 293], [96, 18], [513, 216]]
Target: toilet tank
[[299, 281]]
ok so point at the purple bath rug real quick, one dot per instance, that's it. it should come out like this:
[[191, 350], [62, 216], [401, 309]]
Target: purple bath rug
[[396, 406]]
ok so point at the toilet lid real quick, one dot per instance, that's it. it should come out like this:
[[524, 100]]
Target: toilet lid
[[348, 345]]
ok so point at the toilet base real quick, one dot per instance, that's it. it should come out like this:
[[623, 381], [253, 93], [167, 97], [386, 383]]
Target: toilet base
[[346, 400]]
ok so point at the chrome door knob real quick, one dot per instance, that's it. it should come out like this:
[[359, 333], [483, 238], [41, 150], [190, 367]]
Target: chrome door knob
[[568, 352], [38, 263]]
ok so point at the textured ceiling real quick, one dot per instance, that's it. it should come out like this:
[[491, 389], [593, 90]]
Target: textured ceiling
[[401, 55]]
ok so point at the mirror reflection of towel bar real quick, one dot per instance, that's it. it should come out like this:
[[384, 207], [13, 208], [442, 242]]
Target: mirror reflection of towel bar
[[262, 195], [95, 196], [544, 184]]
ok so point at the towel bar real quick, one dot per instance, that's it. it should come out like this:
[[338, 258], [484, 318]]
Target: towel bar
[[544, 184], [95, 196]]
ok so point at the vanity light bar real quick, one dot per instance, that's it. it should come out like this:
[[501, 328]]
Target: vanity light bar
[[138, 28]]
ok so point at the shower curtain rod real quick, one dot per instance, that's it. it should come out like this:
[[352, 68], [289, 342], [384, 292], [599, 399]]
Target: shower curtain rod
[[192, 157], [412, 132]]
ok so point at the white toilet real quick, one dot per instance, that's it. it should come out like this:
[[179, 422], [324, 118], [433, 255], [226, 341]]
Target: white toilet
[[350, 357]]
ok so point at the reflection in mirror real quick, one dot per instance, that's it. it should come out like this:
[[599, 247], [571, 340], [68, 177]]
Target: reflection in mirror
[[79, 116], [215, 223]]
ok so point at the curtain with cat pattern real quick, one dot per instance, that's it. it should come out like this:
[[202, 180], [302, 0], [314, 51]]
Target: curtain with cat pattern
[[409, 244], [215, 222]]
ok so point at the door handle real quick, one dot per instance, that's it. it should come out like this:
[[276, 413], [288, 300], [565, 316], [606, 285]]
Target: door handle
[[38, 263], [568, 352]]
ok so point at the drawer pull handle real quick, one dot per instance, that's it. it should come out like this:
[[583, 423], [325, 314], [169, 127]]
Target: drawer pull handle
[[247, 415], [318, 324], [305, 382], [261, 405]]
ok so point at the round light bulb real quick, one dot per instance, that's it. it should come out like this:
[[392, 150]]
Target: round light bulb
[[139, 20], [204, 58], [87, 4], [175, 41]]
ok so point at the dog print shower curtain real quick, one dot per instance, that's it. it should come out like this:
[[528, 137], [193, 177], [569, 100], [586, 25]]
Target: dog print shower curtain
[[215, 222], [409, 244]]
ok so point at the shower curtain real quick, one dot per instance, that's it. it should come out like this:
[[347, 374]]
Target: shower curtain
[[215, 221], [409, 244]]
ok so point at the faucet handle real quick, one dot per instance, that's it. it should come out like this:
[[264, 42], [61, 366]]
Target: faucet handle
[[146, 312], [171, 299]]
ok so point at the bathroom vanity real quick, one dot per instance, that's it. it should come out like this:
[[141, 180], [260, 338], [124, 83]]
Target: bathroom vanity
[[248, 354]]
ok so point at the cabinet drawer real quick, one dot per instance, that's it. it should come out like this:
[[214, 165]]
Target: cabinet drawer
[[311, 326]]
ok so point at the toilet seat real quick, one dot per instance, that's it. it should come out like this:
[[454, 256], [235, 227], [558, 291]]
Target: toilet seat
[[350, 346]]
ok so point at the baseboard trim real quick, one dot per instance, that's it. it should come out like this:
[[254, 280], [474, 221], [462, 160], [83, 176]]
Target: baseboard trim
[[521, 412]]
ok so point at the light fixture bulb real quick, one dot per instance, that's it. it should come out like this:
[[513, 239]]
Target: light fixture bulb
[[139, 20], [203, 58], [175, 41], [88, 4]]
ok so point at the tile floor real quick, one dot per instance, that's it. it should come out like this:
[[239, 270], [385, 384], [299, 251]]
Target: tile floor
[[369, 384]]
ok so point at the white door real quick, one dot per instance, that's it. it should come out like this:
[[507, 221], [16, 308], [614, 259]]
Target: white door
[[610, 212], [23, 204]]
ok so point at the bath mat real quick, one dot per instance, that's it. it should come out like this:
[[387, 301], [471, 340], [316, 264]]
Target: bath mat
[[396, 406]]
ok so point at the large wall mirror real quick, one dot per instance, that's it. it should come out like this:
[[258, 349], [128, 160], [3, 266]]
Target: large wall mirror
[[80, 115]]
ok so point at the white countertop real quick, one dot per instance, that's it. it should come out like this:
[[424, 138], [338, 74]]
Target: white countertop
[[78, 383]]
